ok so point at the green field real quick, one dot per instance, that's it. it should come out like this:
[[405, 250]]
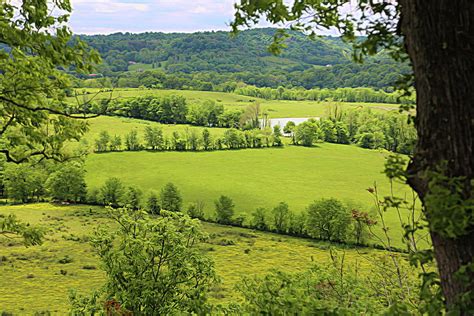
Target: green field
[[32, 280], [274, 108], [254, 177], [122, 125]]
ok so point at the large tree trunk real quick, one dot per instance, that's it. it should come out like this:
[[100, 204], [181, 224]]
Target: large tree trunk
[[439, 38]]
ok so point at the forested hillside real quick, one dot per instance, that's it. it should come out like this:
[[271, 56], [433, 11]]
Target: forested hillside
[[218, 61]]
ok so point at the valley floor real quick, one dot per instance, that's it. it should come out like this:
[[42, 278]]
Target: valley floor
[[39, 278]]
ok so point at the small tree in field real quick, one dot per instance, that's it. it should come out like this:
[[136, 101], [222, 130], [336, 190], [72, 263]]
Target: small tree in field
[[115, 143], [112, 192], [362, 222], [133, 197], [132, 143], [152, 266], [196, 210], [170, 197], [153, 204], [281, 217], [102, 143], [67, 183], [206, 139], [224, 210], [328, 219], [259, 220]]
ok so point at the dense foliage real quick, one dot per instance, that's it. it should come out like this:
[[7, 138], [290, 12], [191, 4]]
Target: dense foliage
[[153, 266], [217, 61], [36, 48]]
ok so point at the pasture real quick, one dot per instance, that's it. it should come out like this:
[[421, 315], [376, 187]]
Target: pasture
[[274, 108], [38, 279], [256, 177]]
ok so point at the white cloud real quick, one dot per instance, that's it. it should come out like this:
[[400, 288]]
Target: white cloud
[[109, 6]]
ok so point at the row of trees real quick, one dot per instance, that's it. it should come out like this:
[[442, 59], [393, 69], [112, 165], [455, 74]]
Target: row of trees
[[171, 109], [367, 129], [339, 94], [189, 140], [325, 219]]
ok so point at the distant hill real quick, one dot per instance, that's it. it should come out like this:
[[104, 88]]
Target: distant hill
[[217, 57]]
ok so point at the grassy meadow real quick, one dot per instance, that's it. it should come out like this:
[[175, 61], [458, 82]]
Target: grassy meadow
[[39, 278], [274, 108]]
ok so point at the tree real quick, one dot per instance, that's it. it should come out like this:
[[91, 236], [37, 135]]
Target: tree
[[170, 198], [277, 136], [24, 182], [280, 215], [154, 137], [133, 197], [328, 219], [307, 133], [206, 139], [102, 143], [224, 210], [196, 210], [37, 48], [434, 36], [112, 192], [115, 143], [154, 266], [132, 143], [259, 220], [67, 183], [362, 223], [153, 204]]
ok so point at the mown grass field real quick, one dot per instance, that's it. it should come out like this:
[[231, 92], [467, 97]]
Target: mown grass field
[[34, 280], [274, 108]]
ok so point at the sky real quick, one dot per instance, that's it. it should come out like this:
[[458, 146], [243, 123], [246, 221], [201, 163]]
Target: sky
[[110, 16]]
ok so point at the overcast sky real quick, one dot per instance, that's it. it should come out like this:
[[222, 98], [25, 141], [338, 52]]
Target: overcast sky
[[109, 16]]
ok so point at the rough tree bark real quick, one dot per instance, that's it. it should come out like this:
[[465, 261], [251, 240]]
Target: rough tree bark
[[439, 38]]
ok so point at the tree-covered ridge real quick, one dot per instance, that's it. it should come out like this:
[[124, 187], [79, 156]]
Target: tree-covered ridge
[[218, 57]]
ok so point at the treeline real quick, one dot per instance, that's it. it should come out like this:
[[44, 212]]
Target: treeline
[[340, 94], [366, 128], [325, 219], [189, 140], [171, 109], [26, 183], [209, 59], [174, 109]]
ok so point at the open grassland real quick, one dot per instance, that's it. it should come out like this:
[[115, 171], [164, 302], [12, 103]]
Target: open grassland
[[255, 177], [38, 279], [274, 108], [121, 126]]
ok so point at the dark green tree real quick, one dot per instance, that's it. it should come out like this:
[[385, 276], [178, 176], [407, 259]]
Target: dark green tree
[[170, 198], [67, 183], [112, 192], [224, 210]]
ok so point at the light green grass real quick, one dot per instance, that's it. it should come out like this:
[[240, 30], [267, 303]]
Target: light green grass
[[48, 289], [255, 177], [274, 108], [121, 126], [140, 67]]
